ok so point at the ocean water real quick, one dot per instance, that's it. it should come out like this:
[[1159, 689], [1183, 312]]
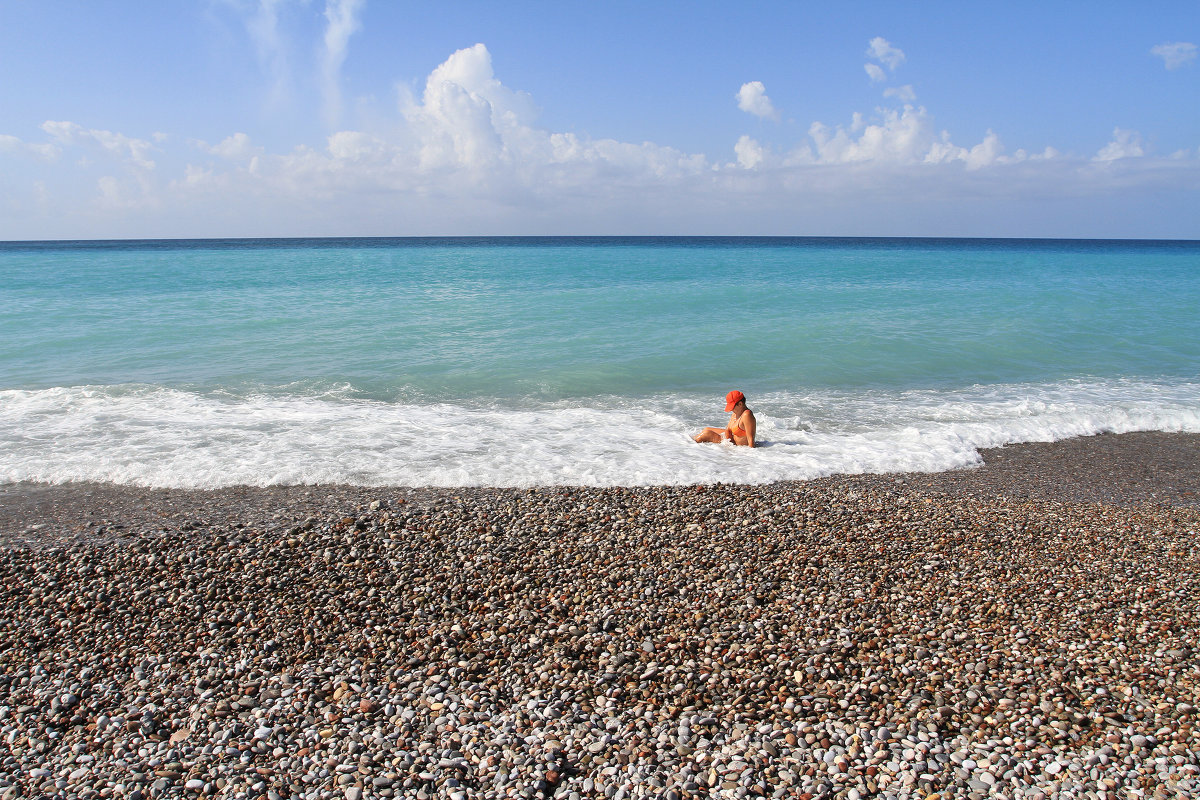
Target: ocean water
[[546, 361]]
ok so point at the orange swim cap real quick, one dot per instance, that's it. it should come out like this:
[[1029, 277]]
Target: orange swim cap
[[733, 398]]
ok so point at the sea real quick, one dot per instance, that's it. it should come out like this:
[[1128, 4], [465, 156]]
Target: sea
[[545, 361]]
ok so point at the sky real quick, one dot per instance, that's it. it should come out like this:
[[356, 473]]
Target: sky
[[259, 118]]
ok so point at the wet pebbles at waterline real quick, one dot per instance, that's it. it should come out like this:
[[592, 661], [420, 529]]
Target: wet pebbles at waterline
[[796, 640]]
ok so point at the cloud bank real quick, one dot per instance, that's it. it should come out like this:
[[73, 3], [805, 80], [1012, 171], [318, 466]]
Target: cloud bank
[[468, 157]]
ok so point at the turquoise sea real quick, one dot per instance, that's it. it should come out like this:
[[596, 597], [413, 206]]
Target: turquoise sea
[[537, 361]]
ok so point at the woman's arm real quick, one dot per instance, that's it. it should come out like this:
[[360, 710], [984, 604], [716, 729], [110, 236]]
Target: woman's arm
[[750, 426]]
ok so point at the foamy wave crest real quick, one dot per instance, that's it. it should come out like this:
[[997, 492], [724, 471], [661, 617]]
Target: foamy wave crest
[[160, 437]]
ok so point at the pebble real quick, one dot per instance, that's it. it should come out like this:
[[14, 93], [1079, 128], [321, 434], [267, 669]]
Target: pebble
[[840, 638]]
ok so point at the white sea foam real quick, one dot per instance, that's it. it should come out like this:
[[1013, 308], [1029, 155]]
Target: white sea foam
[[152, 436]]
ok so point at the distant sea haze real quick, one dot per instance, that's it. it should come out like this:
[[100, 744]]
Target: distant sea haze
[[545, 361]]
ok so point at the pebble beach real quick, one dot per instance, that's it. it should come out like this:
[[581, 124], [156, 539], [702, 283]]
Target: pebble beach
[[1024, 629]]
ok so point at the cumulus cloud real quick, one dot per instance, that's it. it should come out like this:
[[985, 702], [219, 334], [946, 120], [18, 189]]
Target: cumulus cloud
[[881, 50], [341, 22], [986, 153], [875, 72], [752, 98], [749, 153], [1175, 54], [467, 133], [466, 117], [905, 137], [898, 136], [1124, 144]]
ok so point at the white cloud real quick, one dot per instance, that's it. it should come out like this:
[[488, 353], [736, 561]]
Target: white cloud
[[262, 26], [13, 144], [882, 51], [278, 31], [986, 153], [342, 22], [1124, 144], [752, 98], [134, 151], [1175, 54], [749, 153], [465, 114], [194, 176], [355, 146], [898, 137], [234, 147], [469, 133], [904, 94], [905, 137], [467, 156]]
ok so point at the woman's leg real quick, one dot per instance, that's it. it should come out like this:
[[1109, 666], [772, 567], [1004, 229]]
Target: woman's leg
[[711, 436]]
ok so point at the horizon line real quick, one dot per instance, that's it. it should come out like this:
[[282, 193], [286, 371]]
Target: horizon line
[[614, 236]]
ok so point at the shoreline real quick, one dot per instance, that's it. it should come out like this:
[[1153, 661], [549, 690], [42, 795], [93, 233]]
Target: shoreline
[[1018, 630], [1121, 469]]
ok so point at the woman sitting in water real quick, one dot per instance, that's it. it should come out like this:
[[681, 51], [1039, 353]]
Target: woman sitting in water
[[741, 425]]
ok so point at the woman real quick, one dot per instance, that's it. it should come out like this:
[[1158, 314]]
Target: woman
[[740, 428]]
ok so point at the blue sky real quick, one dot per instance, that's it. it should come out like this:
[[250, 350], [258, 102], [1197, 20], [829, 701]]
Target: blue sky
[[360, 117]]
